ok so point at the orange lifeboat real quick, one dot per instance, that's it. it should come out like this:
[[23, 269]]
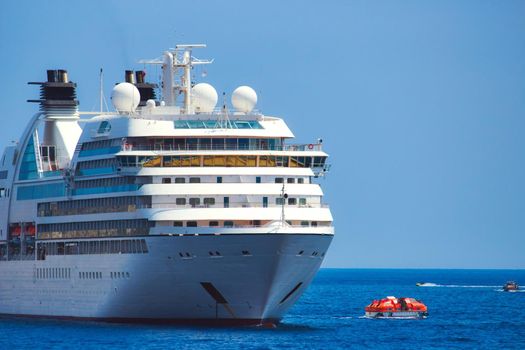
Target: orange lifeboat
[[392, 307], [31, 230], [15, 230]]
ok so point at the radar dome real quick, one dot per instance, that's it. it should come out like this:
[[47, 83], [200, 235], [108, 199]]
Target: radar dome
[[125, 97], [204, 97], [244, 99]]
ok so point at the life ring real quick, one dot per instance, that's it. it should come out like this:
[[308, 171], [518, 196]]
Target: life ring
[[310, 146]]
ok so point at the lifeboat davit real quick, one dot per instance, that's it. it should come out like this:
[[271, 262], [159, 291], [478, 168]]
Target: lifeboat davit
[[392, 307]]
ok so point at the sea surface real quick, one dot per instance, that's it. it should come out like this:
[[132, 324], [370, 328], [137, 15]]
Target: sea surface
[[467, 309]]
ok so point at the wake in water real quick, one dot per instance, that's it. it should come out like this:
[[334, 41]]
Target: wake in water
[[511, 291], [452, 286]]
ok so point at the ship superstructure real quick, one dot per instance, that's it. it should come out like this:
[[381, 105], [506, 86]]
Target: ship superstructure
[[169, 209]]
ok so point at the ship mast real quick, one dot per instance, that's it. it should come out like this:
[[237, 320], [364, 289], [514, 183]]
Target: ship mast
[[178, 62]]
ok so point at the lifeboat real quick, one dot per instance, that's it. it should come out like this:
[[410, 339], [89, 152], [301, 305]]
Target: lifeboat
[[392, 307], [31, 230], [510, 286], [15, 230]]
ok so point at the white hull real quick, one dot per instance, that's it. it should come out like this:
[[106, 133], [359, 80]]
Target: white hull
[[163, 286]]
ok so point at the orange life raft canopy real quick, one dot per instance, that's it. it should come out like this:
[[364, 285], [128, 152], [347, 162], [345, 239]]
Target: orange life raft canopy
[[396, 307]]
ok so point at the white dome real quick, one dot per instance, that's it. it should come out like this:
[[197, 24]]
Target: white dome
[[204, 97], [125, 97], [150, 104], [244, 99]]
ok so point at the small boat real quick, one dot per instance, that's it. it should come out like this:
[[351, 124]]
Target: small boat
[[392, 307], [511, 286], [426, 284]]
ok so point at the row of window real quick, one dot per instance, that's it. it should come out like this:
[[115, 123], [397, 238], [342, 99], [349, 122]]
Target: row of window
[[181, 180], [195, 201], [106, 182], [208, 201], [90, 275], [100, 147], [216, 161], [52, 273], [107, 185], [194, 144], [40, 191], [230, 223], [99, 151], [219, 179], [135, 227], [121, 246], [290, 180], [59, 189], [99, 163], [94, 145], [111, 189], [96, 167], [94, 206], [217, 124], [119, 275]]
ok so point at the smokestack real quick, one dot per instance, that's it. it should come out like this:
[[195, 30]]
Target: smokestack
[[130, 77], [140, 74], [51, 76], [62, 76], [58, 96]]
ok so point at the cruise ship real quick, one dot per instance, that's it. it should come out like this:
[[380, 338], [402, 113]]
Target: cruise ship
[[175, 207]]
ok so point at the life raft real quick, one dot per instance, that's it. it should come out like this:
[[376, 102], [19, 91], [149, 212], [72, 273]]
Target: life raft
[[392, 307]]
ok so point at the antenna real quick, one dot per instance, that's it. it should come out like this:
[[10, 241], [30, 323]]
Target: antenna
[[101, 89], [223, 121], [284, 195], [103, 101]]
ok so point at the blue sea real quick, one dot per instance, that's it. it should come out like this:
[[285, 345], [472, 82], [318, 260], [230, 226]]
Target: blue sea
[[467, 309]]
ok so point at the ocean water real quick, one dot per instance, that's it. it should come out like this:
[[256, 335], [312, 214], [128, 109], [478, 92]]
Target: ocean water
[[467, 309]]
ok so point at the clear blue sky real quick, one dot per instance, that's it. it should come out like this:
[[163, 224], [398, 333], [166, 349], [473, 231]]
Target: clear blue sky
[[421, 104]]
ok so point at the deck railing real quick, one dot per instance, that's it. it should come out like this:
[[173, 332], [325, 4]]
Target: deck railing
[[161, 148]]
